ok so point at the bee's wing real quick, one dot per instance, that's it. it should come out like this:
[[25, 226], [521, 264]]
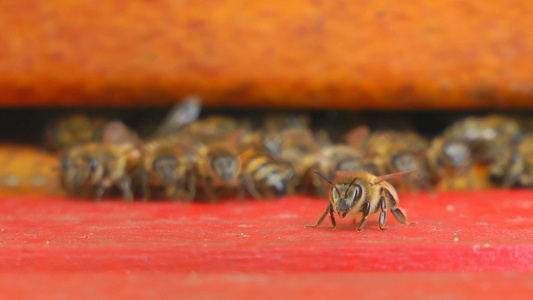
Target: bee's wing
[[390, 176], [183, 113], [116, 133], [357, 136]]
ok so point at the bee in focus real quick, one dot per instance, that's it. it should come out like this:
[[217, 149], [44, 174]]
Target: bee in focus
[[73, 130], [169, 165], [219, 169], [354, 193], [487, 137], [514, 167], [447, 159], [270, 176]]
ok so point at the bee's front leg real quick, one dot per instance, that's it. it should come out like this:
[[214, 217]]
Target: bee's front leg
[[332, 218], [366, 211], [191, 188], [383, 213], [125, 186], [145, 189], [329, 210]]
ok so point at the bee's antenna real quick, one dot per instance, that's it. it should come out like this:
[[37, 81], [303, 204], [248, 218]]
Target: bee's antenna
[[346, 193], [324, 177]]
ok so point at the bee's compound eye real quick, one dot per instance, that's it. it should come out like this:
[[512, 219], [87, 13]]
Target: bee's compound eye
[[164, 162], [224, 166], [456, 153], [66, 162], [357, 191], [93, 164]]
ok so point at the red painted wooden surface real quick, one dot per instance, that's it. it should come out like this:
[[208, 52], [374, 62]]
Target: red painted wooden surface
[[442, 285], [481, 231], [66, 249]]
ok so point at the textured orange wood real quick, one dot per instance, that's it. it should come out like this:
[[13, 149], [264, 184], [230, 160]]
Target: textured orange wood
[[308, 53]]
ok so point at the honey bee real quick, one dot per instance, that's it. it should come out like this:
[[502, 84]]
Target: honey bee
[[487, 136], [169, 165], [379, 142], [183, 113], [297, 146], [269, 175], [352, 193], [73, 130], [447, 158], [514, 167], [291, 144], [336, 158], [99, 166], [280, 122], [211, 130], [395, 158], [219, 168], [27, 170]]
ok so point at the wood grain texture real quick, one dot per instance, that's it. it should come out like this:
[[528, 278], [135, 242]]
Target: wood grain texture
[[481, 231], [298, 54], [234, 285]]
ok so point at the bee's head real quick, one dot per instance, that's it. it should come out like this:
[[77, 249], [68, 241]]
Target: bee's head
[[343, 196], [225, 167], [165, 168], [457, 153]]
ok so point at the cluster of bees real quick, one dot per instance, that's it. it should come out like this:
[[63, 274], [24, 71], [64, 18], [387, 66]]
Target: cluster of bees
[[190, 158]]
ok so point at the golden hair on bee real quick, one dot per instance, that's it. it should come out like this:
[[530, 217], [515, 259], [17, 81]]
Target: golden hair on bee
[[354, 193], [170, 165], [271, 176], [219, 168], [97, 166], [514, 167]]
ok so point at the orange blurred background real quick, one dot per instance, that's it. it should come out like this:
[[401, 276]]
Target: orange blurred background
[[289, 54]]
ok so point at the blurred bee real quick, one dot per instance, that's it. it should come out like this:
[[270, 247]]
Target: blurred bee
[[183, 113], [219, 168], [297, 146], [99, 166], [354, 193], [169, 165], [447, 159], [211, 130], [379, 141], [514, 167], [335, 158], [73, 130], [280, 122], [27, 170], [487, 136], [270, 176], [291, 144], [395, 158]]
